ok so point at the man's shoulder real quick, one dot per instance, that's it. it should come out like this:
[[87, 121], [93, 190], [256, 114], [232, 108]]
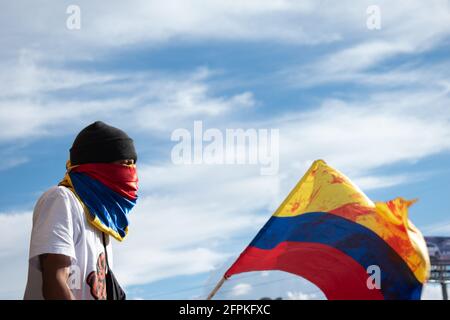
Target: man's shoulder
[[57, 192], [58, 195]]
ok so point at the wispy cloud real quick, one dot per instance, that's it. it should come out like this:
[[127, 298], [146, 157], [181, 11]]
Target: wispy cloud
[[241, 289], [361, 56], [155, 23], [371, 131], [146, 101], [11, 163]]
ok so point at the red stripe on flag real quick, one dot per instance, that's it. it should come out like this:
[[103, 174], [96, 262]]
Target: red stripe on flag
[[339, 276]]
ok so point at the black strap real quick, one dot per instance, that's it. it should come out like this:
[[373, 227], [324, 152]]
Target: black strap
[[113, 289], [106, 252]]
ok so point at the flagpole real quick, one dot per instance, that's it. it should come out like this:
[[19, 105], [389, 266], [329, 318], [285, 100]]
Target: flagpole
[[216, 288]]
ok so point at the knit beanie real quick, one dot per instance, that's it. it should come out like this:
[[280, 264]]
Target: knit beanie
[[99, 142]]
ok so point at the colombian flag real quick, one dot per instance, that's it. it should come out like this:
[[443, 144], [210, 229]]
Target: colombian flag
[[330, 233]]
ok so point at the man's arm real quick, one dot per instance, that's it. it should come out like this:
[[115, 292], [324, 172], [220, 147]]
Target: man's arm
[[55, 272]]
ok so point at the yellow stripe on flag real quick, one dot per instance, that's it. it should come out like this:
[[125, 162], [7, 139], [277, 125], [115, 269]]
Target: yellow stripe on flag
[[324, 189]]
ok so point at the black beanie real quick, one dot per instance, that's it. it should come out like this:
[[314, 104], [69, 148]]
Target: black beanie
[[99, 142]]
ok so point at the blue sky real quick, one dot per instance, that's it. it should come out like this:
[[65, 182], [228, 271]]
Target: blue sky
[[372, 103]]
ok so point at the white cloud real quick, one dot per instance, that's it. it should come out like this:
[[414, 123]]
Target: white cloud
[[29, 103], [257, 285], [368, 133], [154, 23], [175, 102], [240, 289], [29, 74], [361, 56], [407, 29], [15, 229], [28, 120], [351, 71], [147, 101], [13, 162]]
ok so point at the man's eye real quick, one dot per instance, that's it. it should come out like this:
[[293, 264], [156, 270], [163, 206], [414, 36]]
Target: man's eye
[[127, 162]]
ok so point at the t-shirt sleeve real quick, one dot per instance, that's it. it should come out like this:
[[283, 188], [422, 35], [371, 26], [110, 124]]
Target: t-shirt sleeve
[[53, 230]]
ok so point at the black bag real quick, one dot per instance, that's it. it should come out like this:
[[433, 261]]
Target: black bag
[[113, 288]]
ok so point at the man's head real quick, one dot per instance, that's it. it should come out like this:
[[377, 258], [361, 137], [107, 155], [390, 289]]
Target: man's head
[[101, 143], [101, 172]]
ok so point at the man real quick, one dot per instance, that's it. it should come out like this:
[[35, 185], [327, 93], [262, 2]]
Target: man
[[70, 251]]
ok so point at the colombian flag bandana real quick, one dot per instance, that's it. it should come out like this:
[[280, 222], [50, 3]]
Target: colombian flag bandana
[[107, 191]]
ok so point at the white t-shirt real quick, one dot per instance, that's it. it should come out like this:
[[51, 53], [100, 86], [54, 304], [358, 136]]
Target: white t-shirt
[[60, 226]]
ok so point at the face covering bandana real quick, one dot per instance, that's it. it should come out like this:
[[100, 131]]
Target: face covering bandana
[[107, 191]]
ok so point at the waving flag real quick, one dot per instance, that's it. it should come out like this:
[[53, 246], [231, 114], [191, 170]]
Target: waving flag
[[330, 233]]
